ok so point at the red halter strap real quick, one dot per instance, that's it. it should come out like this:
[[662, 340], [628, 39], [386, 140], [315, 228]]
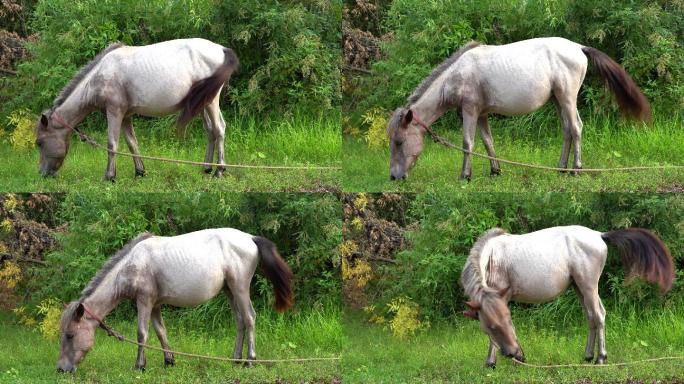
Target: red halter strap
[[419, 121], [110, 331], [61, 120]]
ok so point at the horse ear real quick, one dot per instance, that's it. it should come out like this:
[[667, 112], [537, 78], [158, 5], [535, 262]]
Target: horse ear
[[475, 306], [472, 314], [79, 312], [407, 119], [43, 120]]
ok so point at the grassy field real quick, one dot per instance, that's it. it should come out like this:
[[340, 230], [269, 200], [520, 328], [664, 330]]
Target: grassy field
[[456, 352], [26, 357], [294, 141], [532, 139]]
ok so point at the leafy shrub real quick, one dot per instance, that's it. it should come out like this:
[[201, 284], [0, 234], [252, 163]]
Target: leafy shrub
[[644, 36], [305, 228], [23, 135], [405, 321], [447, 225], [289, 52]]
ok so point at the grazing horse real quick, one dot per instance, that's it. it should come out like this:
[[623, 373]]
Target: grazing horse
[[153, 80], [539, 266], [511, 79], [183, 271]]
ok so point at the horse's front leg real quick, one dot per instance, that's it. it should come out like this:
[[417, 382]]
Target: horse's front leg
[[160, 329], [132, 142], [144, 312], [486, 134], [469, 125], [491, 355], [114, 119]]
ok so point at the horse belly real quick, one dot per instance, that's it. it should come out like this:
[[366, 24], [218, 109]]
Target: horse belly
[[191, 284]]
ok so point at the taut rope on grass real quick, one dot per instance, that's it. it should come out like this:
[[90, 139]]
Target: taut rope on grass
[[441, 140], [120, 337], [551, 366], [89, 140]]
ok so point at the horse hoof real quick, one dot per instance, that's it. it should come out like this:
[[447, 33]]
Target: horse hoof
[[588, 359], [601, 359], [110, 178], [139, 173], [218, 173], [494, 172], [140, 368], [207, 170], [169, 362], [490, 365], [248, 364], [465, 178]]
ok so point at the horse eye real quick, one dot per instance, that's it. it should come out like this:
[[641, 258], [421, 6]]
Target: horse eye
[[69, 336], [398, 143]]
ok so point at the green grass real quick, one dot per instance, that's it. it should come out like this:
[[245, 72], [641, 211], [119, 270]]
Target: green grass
[[26, 357], [456, 352], [293, 141], [532, 139]]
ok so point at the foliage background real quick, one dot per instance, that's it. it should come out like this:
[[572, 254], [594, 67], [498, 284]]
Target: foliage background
[[645, 36], [305, 227], [289, 51], [426, 239]]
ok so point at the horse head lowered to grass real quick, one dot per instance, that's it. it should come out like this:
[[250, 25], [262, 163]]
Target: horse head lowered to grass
[[183, 271], [511, 79], [184, 75], [539, 266]]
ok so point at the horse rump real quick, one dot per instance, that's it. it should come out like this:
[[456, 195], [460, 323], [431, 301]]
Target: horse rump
[[644, 255], [276, 271]]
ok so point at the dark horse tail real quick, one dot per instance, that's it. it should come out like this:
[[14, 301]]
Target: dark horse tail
[[632, 102], [276, 271], [644, 255], [203, 92]]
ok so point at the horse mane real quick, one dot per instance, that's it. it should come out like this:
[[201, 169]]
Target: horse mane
[[82, 73], [471, 277], [427, 82], [111, 263]]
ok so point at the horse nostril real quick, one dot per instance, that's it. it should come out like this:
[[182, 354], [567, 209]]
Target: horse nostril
[[392, 177], [60, 370]]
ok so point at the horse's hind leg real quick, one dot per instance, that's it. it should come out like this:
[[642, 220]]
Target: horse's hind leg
[[239, 324], [244, 305], [219, 128], [491, 355], [486, 135], [572, 128], [132, 141], [596, 317], [160, 329], [211, 141], [591, 336]]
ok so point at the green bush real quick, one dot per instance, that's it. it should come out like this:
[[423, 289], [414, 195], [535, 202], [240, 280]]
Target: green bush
[[448, 225], [305, 227], [289, 52], [645, 36]]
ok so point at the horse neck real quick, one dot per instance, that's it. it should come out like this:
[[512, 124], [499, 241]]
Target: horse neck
[[496, 272], [428, 108], [76, 106], [105, 297]]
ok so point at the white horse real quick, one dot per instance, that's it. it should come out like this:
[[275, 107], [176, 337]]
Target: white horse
[[153, 80], [183, 271], [539, 266], [511, 79]]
